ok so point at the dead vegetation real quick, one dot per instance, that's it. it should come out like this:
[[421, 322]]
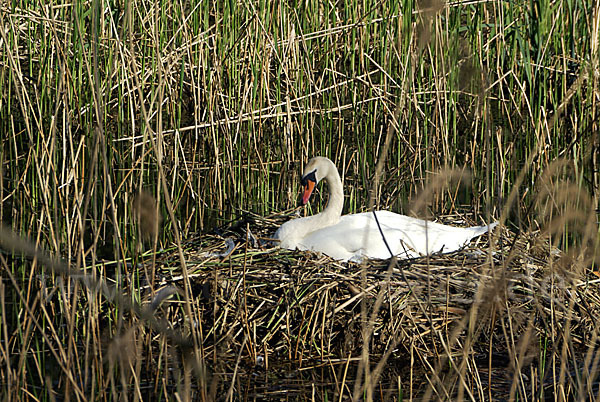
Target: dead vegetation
[[509, 317]]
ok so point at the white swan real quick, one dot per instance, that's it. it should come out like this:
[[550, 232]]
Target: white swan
[[354, 237]]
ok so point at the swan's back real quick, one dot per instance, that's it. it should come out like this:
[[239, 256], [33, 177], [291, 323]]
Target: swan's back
[[357, 236]]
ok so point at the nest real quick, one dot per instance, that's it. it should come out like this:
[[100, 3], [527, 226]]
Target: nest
[[280, 323]]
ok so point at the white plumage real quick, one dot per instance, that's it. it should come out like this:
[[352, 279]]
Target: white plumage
[[354, 237]]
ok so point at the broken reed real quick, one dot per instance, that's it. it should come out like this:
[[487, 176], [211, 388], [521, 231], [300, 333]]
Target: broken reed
[[215, 107]]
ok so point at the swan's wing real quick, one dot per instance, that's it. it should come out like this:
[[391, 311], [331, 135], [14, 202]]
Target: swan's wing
[[425, 237], [358, 235]]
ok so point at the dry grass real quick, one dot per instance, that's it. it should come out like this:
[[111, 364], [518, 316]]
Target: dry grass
[[278, 324]]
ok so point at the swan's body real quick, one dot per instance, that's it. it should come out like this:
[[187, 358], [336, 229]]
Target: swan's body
[[354, 237]]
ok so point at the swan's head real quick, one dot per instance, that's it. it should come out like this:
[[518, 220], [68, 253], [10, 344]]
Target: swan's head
[[316, 169]]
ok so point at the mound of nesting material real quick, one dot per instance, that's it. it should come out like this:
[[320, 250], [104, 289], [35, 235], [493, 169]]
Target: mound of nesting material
[[442, 325]]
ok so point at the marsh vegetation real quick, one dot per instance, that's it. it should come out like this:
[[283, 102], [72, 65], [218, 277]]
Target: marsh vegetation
[[148, 150]]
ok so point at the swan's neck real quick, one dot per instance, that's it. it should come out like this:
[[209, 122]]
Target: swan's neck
[[331, 214]]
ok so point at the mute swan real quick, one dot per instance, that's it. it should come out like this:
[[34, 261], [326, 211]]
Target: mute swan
[[354, 237]]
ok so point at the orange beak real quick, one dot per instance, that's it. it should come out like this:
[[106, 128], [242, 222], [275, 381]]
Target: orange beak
[[308, 189]]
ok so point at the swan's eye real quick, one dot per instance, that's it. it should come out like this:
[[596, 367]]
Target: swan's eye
[[309, 177]]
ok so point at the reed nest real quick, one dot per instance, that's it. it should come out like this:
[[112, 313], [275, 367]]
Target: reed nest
[[279, 324]]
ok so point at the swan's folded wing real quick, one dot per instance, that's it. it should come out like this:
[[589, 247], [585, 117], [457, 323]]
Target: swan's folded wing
[[357, 236]]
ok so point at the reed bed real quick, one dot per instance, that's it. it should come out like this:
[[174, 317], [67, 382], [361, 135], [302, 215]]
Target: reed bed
[[148, 151], [509, 317], [457, 325]]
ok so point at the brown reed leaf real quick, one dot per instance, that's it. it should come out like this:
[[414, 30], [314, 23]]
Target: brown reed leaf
[[147, 215]]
